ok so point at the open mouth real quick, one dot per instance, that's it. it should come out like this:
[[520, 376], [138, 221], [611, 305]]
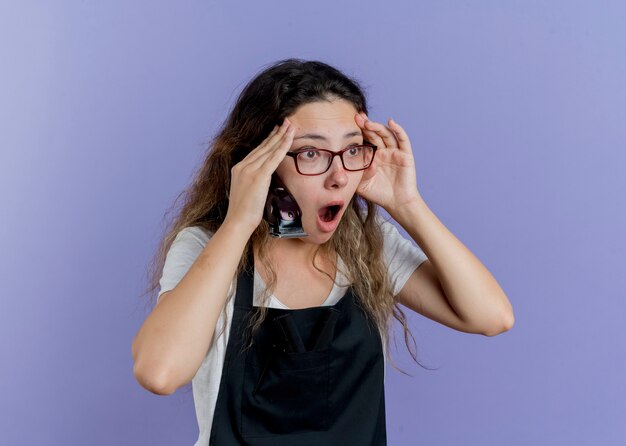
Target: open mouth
[[328, 213]]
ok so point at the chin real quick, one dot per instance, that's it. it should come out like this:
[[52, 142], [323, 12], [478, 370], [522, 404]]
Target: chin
[[316, 236]]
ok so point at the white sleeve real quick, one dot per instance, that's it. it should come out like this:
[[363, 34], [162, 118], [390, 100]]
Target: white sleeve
[[402, 256], [183, 252]]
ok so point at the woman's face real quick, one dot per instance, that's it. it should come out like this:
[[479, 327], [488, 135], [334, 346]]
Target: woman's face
[[323, 125]]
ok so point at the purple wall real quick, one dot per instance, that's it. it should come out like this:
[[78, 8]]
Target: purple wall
[[516, 111]]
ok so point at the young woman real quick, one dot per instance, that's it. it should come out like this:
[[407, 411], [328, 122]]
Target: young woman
[[285, 338]]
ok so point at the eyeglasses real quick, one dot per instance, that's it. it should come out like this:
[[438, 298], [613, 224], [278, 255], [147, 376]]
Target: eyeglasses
[[313, 161]]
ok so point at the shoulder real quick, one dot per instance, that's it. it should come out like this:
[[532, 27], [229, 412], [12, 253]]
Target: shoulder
[[395, 244], [388, 229], [193, 235], [397, 247], [382, 221], [187, 245]]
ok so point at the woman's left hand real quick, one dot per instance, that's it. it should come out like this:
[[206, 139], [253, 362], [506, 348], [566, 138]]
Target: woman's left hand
[[390, 181]]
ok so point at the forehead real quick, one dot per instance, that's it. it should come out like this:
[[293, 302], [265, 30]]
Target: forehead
[[327, 119]]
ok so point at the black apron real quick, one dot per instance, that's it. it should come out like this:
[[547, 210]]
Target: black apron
[[313, 376]]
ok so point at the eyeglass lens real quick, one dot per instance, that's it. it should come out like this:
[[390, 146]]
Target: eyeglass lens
[[315, 161]]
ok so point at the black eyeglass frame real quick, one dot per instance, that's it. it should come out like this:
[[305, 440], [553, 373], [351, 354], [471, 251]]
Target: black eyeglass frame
[[294, 155]]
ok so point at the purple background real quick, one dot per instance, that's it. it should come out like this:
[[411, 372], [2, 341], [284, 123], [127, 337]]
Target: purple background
[[517, 115]]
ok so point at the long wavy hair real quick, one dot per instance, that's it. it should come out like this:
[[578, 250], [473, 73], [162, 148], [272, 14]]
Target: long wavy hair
[[274, 94]]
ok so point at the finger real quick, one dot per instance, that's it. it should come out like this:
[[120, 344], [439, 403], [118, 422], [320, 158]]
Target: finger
[[269, 142], [380, 133], [370, 171], [278, 154], [403, 139], [383, 132], [274, 131], [370, 135], [274, 136], [273, 157]]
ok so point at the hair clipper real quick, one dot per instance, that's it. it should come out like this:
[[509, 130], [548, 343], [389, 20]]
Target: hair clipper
[[282, 212]]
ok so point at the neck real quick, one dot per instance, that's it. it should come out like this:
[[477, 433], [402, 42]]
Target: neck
[[298, 250]]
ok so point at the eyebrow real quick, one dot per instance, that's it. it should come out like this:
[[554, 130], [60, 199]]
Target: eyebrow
[[323, 138]]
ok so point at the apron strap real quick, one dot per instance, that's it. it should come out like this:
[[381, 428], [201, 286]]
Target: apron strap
[[245, 282]]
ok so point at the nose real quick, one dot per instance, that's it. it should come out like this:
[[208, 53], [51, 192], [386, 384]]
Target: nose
[[337, 176]]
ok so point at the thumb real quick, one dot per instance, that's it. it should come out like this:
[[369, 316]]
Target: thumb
[[369, 173], [365, 183]]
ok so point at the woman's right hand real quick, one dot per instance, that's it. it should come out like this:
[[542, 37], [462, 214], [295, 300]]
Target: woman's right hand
[[251, 177]]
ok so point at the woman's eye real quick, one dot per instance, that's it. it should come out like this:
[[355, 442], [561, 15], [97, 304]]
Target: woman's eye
[[310, 154], [354, 151]]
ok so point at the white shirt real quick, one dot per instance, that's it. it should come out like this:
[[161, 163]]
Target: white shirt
[[401, 255]]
